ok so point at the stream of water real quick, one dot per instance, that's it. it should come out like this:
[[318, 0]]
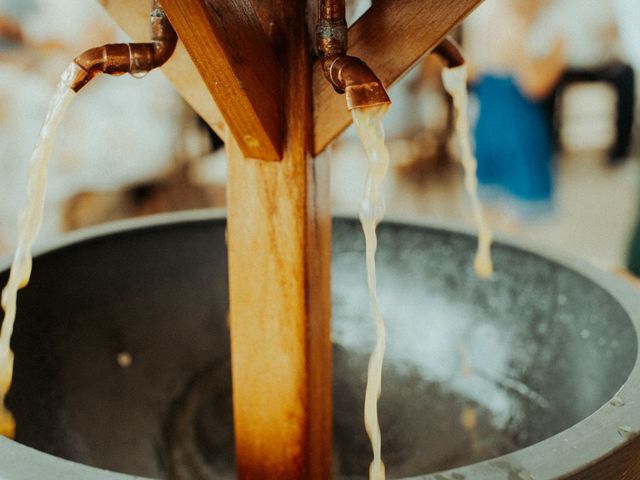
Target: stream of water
[[455, 83], [29, 221], [368, 124]]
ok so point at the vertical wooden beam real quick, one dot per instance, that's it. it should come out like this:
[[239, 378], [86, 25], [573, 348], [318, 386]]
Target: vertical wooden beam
[[279, 235]]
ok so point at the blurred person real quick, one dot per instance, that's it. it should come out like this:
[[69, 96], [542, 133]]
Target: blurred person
[[512, 76], [593, 55]]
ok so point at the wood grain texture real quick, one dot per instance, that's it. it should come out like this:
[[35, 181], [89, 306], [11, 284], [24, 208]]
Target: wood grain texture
[[279, 236], [233, 54], [133, 17], [390, 37], [279, 225]]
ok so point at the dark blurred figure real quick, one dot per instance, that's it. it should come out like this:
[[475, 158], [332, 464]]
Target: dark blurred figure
[[594, 55]]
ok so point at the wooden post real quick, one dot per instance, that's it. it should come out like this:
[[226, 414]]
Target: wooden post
[[279, 259], [279, 225]]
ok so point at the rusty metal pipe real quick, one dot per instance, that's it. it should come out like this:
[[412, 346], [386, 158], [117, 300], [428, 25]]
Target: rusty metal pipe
[[331, 29], [332, 10], [348, 75], [120, 58], [449, 50]]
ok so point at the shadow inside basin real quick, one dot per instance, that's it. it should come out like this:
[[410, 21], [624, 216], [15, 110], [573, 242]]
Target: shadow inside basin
[[474, 369]]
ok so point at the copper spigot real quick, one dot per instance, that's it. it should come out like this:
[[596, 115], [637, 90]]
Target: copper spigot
[[348, 75], [449, 50], [133, 58], [358, 82]]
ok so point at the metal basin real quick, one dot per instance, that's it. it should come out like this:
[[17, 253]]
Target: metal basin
[[122, 359]]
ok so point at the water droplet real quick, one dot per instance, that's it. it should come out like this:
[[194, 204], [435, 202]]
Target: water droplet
[[616, 402], [139, 73], [585, 333], [124, 359]]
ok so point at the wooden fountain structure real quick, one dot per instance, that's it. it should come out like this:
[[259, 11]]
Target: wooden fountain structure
[[248, 68]]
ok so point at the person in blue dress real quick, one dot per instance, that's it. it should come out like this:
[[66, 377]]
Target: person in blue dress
[[516, 64]]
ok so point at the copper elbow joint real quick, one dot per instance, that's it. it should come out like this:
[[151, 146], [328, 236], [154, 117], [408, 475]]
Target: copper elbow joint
[[348, 75], [120, 58], [360, 85]]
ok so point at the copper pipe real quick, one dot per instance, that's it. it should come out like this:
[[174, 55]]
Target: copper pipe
[[332, 10], [449, 50], [361, 86], [120, 58], [331, 29], [347, 74]]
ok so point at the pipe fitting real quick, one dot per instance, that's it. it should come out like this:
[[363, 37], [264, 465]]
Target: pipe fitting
[[348, 75], [120, 58], [331, 29], [354, 78]]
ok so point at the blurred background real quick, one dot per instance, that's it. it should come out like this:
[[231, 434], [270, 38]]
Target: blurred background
[[553, 111]]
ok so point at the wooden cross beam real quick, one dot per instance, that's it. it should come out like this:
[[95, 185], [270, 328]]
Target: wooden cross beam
[[279, 222], [234, 76], [234, 56]]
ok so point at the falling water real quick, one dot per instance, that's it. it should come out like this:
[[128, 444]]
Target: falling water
[[455, 82], [368, 123], [29, 220]]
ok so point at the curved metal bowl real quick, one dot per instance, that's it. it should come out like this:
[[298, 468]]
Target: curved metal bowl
[[531, 375]]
